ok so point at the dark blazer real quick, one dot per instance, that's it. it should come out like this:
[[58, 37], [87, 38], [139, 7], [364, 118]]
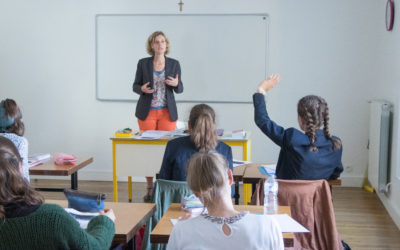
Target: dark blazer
[[296, 161], [144, 74], [177, 154]]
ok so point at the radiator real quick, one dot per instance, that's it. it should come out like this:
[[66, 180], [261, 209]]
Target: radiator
[[379, 148]]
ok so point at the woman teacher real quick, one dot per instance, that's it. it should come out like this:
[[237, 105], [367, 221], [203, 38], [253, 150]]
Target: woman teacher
[[157, 78]]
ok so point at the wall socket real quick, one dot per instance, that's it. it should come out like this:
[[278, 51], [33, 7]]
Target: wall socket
[[348, 169]]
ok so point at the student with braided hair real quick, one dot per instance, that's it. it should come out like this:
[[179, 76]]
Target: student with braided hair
[[309, 155]]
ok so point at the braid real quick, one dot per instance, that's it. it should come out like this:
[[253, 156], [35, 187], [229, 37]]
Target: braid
[[325, 112], [310, 131]]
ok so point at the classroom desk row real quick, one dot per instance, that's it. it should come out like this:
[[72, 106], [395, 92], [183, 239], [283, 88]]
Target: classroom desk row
[[162, 231], [130, 217]]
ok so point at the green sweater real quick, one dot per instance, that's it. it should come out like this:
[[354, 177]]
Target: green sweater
[[51, 227]]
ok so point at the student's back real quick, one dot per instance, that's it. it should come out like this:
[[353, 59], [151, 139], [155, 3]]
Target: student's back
[[309, 155], [296, 161], [250, 231], [203, 137]]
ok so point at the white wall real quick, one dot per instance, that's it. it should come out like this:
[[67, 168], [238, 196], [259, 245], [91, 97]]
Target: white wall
[[328, 48], [385, 85]]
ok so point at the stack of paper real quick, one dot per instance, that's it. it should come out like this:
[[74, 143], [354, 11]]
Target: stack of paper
[[192, 204], [153, 134], [36, 159]]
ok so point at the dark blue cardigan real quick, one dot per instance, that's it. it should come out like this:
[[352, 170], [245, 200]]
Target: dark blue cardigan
[[177, 154], [296, 161]]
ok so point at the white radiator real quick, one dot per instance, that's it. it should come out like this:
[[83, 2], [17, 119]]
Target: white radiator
[[379, 148]]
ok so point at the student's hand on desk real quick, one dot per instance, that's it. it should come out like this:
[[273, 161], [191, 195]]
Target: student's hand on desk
[[146, 88], [109, 213], [173, 82], [268, 83]]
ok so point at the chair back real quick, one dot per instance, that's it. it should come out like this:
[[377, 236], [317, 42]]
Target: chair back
[[311, 205], [165, 192]]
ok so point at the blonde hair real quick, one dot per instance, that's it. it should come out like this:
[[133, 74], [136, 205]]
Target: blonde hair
[[203, 131], [314, 111], [151, 39], [207, 174]]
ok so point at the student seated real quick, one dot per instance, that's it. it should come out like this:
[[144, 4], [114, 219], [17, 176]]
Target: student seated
[[310, 155], [12, 127], [203, 137], [27, 223], [222, 227]]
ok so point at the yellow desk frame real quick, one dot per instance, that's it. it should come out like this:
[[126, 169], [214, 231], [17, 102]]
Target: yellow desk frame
[[159, 145]]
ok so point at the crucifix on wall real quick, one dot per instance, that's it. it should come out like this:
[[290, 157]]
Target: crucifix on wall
[[180, 5]]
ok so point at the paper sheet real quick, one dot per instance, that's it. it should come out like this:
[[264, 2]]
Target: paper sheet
[[268, 169], [288, 224], [153, 134], [237, 163]]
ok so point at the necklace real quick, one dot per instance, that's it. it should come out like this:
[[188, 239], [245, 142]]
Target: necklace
[[223, 220]]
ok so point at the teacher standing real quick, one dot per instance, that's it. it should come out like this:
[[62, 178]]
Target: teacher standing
[[157, 78]]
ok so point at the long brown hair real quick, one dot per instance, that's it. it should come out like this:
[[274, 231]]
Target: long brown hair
[[315, 113], [207, 174], [203, 131], [13, 187], [13, 112]]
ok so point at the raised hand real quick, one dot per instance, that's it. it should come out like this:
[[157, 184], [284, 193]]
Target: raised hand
[[172, 81], [146, 88], [268, 83]]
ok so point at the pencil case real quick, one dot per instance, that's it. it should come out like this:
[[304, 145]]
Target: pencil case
[[85, 201]]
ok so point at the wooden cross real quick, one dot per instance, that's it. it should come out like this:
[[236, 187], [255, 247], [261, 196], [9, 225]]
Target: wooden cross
[[180, 5]]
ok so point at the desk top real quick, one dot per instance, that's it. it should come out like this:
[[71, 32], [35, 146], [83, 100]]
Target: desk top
[[50, 168], [252, 174], [167, 138], [161, 232], [129, 217]]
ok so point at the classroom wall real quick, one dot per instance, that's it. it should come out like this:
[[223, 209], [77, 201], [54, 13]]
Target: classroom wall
[[328, 48], [385, 85]]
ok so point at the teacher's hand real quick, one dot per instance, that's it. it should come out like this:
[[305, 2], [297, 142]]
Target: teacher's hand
[[268, 83], [146, 89], [172, 81]]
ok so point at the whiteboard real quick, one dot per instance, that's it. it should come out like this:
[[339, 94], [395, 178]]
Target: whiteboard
[[222, 56]]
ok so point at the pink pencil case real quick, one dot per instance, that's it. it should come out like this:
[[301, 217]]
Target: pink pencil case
[[64, 159]]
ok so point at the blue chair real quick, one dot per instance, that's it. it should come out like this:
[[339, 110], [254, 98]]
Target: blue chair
[[165, 192]]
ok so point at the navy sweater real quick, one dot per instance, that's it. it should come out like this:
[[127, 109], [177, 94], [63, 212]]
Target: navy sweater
[[296, 161], [177, 154]]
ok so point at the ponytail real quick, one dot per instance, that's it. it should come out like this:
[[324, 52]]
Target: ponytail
[[203, 131]]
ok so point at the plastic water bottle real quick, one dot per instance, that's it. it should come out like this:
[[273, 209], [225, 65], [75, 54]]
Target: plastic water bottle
[[271, 195]]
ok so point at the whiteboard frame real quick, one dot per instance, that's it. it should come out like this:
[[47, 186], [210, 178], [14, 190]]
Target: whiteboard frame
[[160, 15]]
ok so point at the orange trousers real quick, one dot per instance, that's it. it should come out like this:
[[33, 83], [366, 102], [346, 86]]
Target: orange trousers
[[157, 120]]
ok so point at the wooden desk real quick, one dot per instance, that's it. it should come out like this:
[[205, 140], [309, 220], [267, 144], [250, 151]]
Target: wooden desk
[[129, 217], [252, 176], [163, 229], [138, 157], [50, 168]]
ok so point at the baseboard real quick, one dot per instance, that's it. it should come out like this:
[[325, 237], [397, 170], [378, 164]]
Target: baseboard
[[352, 181], [393, 211]]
